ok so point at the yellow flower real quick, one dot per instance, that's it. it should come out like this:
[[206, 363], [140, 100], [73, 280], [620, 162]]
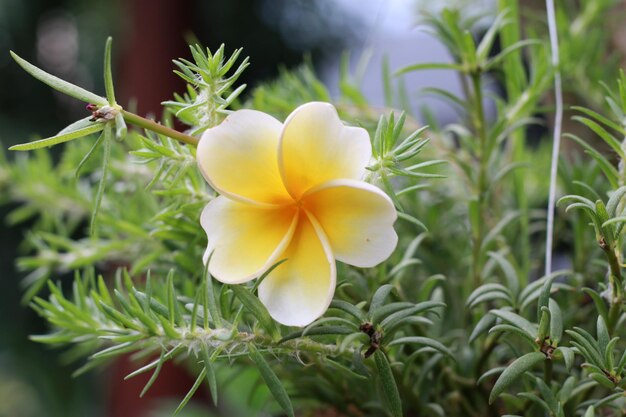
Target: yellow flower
[[292, 191]]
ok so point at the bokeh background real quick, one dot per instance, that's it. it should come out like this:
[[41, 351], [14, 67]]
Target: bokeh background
[[66, 38]]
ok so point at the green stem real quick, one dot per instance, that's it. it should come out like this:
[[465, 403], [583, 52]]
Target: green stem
[[547, 372], [522, 203], [482, 157], [153, 126], [215, 337], [615, 281]]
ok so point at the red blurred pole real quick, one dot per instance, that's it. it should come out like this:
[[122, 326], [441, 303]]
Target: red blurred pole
[[153, 37]]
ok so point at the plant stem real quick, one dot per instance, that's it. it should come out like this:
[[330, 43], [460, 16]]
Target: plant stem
[[547, 371], [153, 126], [615, 281], [482, 157]]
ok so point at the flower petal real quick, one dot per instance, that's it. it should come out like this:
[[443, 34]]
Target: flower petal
[[300, 289], [238, 158], [357, 218], [244, 239], [316, 147]]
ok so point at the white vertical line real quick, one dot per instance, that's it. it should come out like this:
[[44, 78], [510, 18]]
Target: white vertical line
[[558, 119]]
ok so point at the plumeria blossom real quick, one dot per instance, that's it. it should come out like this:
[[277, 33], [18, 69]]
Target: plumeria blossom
[[292, 191]]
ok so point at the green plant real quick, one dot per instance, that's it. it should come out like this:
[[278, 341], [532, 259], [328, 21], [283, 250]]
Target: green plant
[[458, 321]]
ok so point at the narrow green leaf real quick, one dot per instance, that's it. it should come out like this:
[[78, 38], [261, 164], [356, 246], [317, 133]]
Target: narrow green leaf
[[194, 312], [607, 168], [388, 383], [384, 311], [486, 43], [257, 309], [556, 321], [592, 191], [609, 359], [103, 290], [590, 412], [568, 356], [58, 84], [603, 334], [509, 50], [348, 308], [165, 356], [621, 364], [508, 269], [155, 374], [498, 228], [507, 328], [77, 125], [424, 341], [518, 321], [271, 380], [118, 317], [115, 350], [490, 297], [88, 155], [429, 65], [602, 380], [535, 399], [192, 391], [264, 275], [608, 138], [153, 304], [544, 295], [108, 76], [318, 331], [484, 324], [101, 186], [379, 296], [411, 219], [210, 373], [514, 371], [548, 396], [601, 119], [391, 319], [614, 220], [210, 303], [490, 373], [564, 393], [168, 328], [54, 140], [589, 347], [447, 95], [485, 289], [172, 305], [532, 291], [120, 126], [429, 285]]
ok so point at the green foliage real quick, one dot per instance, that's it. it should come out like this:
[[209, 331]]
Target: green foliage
[[209, 90], [457, 322]]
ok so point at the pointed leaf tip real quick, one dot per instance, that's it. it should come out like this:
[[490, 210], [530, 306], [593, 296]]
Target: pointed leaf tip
[[57, 83]]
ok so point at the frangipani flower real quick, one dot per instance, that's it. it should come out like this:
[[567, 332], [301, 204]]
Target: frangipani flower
[[292, 191]]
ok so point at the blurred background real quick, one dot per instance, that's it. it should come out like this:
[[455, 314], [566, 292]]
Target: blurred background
[[66, 38]]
